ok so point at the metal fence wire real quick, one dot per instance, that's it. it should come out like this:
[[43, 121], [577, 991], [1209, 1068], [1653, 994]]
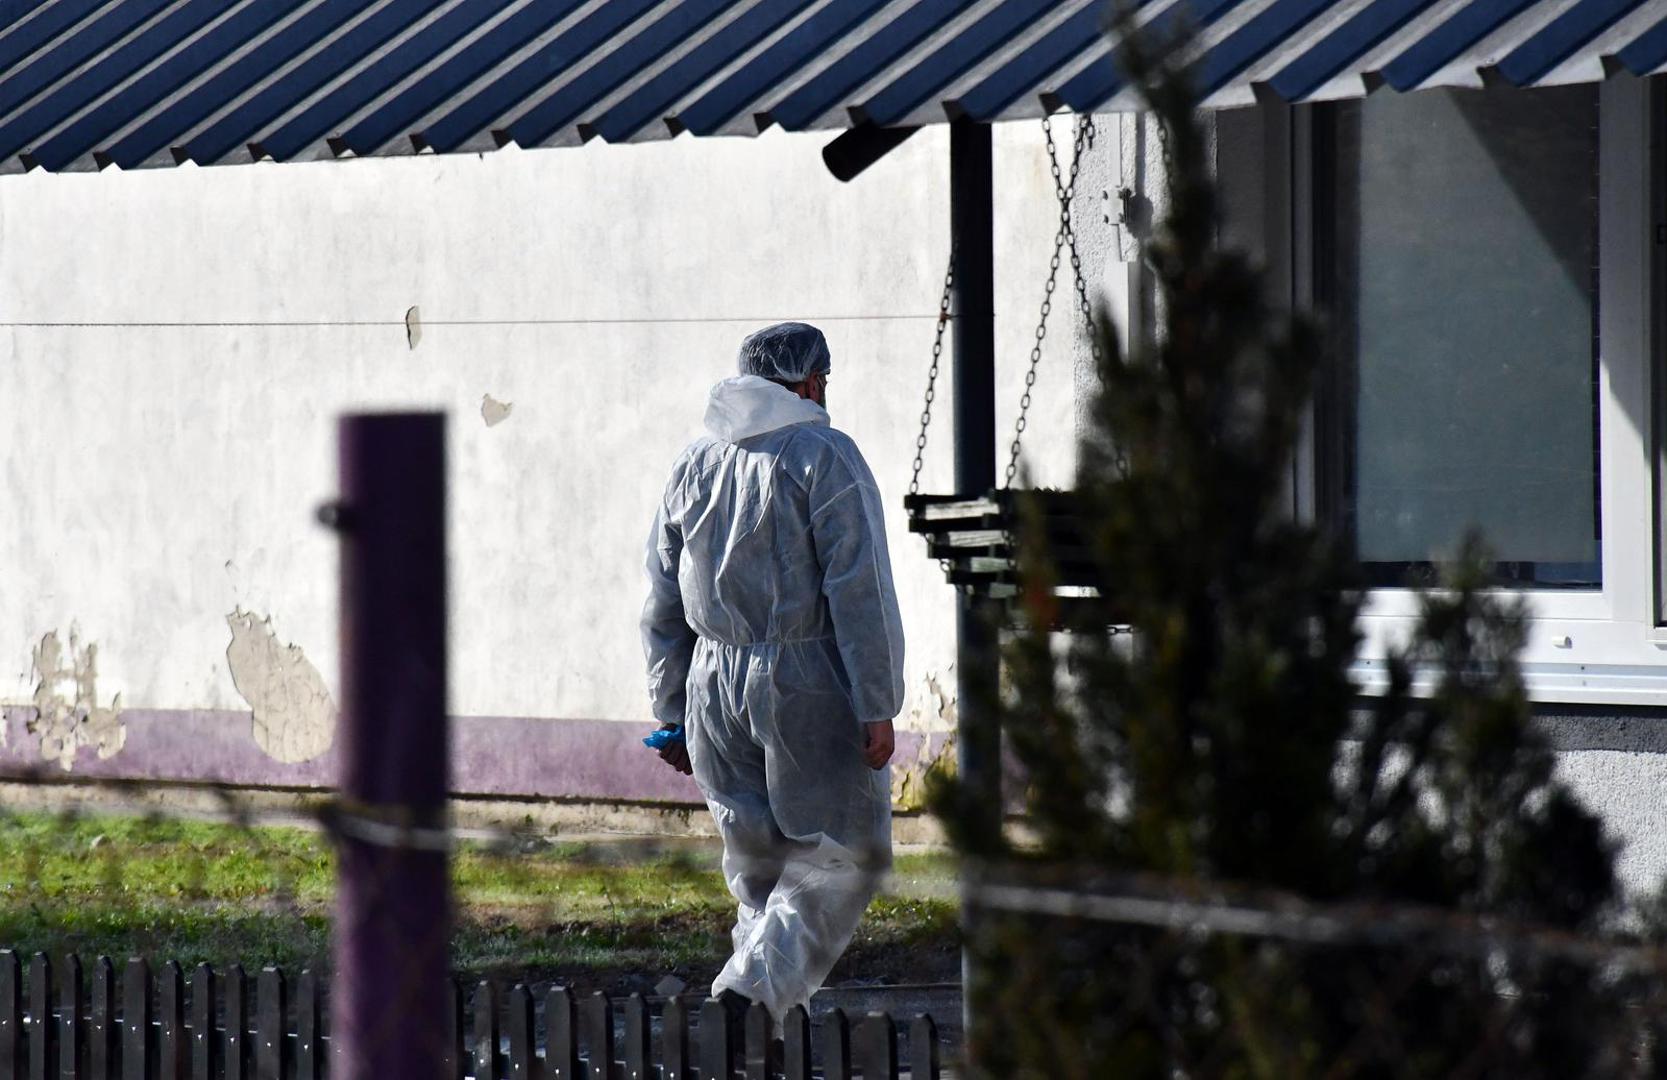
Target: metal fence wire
[[1091, 975], [1174, 979], [373, 906], [261, 901]]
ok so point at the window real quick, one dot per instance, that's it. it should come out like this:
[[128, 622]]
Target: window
[[1458, 263], [1493, 266]]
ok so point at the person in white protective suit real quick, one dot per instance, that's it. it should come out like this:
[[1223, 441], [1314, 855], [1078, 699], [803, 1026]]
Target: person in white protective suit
[[772, 634]]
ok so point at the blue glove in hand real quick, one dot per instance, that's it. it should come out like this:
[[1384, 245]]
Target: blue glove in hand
[[663, 738]]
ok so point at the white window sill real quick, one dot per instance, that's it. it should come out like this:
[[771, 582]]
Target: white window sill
[[1567, 659]]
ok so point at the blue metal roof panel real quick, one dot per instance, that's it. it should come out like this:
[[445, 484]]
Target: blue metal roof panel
[[85, 83], [1031, 67], [1254, 40], [43, 26], [653, 100], [1595, 60], [565, 109], [740, 89], [1364, 73], [132, 48], [1095, 86], [715, 47], [1308, 29], [882, 46], [228, 32], [416, 58], [240, 121], [1648, 53], [1469, 26], [916, 84], [445, 86], [1560, 40], [1316, 66], [996, 62], [59, 57], [156, 127]]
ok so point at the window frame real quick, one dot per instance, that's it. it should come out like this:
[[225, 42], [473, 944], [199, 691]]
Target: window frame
[[1596, 646]]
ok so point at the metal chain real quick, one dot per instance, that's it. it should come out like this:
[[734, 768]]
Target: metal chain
[[932, 374], [1065, 238]]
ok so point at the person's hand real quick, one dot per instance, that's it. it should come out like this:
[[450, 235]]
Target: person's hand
[[879, 740], [677, 756]]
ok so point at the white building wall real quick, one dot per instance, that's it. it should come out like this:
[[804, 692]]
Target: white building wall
[[175, 346]]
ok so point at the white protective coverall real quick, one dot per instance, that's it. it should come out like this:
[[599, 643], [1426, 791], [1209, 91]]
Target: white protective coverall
[[772, 631]]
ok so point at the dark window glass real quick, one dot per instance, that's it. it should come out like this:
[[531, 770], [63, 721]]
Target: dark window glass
[[1458, 260]]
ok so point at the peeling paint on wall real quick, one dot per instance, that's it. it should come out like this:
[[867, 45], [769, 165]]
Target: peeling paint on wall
[[67, 715], [294, 716], [934, 711], [934, 708], [493, 411], [908, 778], [413, 326]]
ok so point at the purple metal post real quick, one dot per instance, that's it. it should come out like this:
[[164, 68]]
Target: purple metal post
[[392, 933]]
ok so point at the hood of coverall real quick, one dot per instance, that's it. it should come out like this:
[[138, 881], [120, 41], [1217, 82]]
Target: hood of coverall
[[746, 405]]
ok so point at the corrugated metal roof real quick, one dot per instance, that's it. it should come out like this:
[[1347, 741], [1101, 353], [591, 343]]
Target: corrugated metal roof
[[89, 83]]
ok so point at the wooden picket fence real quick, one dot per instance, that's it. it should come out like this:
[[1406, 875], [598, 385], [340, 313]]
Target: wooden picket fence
[[64, 1023]]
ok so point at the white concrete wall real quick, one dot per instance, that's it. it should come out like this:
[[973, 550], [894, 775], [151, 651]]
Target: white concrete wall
[[175, 346], [1626, 789]]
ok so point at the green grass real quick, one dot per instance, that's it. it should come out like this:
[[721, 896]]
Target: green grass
[[617, 915]]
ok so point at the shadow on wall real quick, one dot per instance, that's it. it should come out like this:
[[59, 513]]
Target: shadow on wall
[[1634, 730]]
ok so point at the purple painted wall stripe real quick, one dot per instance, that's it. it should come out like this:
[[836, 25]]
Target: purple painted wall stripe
[[515, 757]]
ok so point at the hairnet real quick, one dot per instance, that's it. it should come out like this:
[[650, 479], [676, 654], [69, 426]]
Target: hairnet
[[787, 352]]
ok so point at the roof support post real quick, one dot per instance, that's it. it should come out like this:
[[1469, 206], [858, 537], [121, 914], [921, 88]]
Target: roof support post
[[973, 234], [974, 362], [972, 229]]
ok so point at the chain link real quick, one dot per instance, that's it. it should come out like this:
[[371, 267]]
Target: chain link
[[1064, 240], [1064, 248], [932, 374]]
